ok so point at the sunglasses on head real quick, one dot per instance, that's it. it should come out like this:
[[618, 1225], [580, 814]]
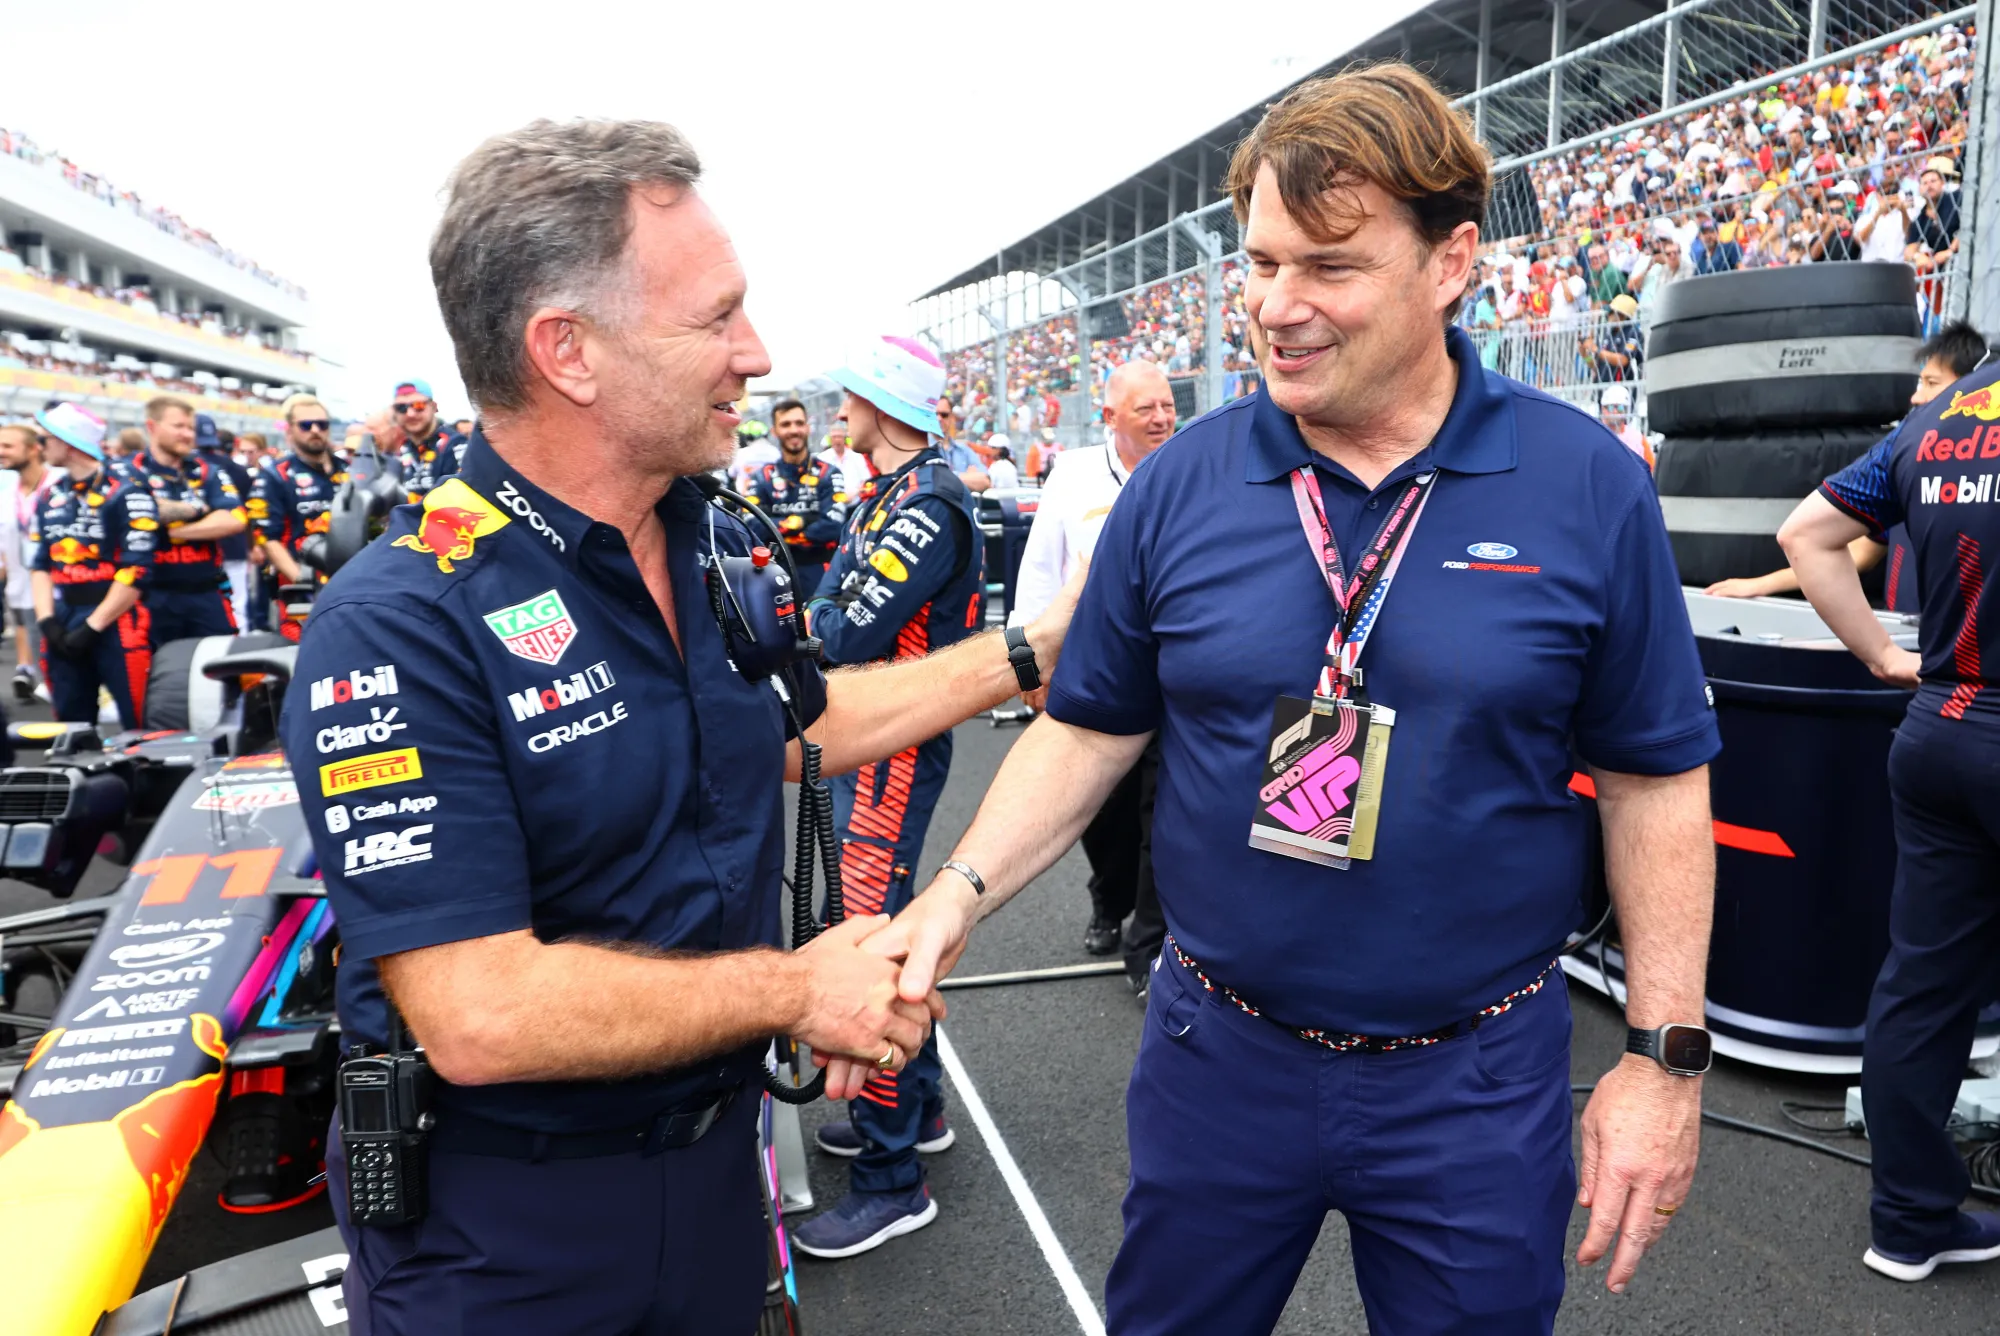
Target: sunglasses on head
[[409, 407], [314, 424]]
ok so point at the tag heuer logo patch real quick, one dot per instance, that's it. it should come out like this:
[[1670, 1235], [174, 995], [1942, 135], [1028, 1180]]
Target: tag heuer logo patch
[[539, 628]]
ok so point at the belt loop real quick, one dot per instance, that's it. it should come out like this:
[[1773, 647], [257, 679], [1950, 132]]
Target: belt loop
[[538, 1147]]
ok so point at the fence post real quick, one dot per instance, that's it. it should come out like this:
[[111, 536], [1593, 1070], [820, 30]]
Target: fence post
[[1977, 295], [1558, 20], [1816, 30], [1670, 61], [1210, 246], [1483, 72]]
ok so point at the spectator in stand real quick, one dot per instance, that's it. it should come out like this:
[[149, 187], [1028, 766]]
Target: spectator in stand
[[1616, 354], [1931, 239], [1836, 239], [1712, 255]]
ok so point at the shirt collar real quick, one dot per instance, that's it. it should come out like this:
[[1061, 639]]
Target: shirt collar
[[1477, 435], [486, 472]]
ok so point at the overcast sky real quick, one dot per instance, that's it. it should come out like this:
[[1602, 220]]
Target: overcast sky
[[858, 154]]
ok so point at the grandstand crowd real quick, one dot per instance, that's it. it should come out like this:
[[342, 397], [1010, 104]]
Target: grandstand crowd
[[17, 145], [1855, 161]]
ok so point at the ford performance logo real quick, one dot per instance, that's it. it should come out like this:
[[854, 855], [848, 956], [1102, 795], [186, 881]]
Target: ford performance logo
[[1492, 551]]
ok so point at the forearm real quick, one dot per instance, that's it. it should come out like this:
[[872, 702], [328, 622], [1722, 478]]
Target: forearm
[[873, 712], [514, 1008], [1049, 788], [1815, 540], [1659, 861], [121, 599], [281, 560], [43, 590], [215, 524], [175, 512]]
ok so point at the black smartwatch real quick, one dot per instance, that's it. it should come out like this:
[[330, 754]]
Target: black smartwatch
[[1022, 655], [1683, 1050]]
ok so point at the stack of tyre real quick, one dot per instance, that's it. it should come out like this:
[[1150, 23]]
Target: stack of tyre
[[1763, 382]]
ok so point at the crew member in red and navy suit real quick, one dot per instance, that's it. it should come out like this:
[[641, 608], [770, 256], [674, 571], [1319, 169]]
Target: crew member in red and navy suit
[[1938, 477], [292, 496], [908, 578], [430, 452], [803, 495], [94, 541], [187, 592]]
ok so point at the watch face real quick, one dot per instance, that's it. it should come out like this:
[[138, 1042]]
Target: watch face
[[1685, 1048]]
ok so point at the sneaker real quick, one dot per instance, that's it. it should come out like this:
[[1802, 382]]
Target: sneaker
[[844, 1139], [861, 1221], [1103, 937], [1975, 1237], [26, 679]]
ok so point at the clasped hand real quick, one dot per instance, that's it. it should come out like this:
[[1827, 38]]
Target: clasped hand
[[852, 1012], [927, 938]]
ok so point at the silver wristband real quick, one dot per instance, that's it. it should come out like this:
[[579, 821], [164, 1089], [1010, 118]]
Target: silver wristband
[[965, 870]]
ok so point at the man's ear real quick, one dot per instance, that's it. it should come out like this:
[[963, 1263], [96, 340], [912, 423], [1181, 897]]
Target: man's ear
[[560, 353]]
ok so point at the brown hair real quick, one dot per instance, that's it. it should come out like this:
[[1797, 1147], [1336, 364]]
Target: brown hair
[[31, 435], [132, 440], [1385, 125], [164, 404]]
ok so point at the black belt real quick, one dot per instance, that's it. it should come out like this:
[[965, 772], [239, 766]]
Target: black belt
[[469, 1134]]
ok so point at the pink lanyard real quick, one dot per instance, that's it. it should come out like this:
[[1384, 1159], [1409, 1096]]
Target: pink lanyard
[[1359, 599]]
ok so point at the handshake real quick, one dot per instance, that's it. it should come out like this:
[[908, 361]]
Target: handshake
[[868, 988]]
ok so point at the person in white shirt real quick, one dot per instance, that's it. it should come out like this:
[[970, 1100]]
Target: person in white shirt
[[1079, 494], [24, 482], [853, 465], [1002, 470], [1885, 217]]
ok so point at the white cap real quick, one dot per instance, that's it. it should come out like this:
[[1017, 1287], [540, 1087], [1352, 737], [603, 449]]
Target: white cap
[[1617, 396]]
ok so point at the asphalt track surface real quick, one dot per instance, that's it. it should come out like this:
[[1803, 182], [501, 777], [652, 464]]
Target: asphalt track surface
[[1770, 1241]]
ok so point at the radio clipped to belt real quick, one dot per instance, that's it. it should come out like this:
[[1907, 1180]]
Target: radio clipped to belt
[[385, 1123], [1321, 799]]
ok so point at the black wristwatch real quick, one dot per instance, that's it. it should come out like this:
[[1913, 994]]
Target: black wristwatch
[[1682, 1050], [1022, 655]]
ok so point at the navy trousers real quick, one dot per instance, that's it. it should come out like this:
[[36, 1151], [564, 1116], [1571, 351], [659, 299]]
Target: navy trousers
[[1943, 966], [120, 662], [183, 614], [1451, 1163], [623, 1245], [883, 811]]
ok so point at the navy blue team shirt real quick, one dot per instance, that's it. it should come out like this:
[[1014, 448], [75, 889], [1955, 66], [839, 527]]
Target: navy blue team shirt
[[1537, 611], [1939, 477], [493, 731]]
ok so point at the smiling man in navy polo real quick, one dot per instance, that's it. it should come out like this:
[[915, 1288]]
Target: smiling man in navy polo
[[1369, 861]]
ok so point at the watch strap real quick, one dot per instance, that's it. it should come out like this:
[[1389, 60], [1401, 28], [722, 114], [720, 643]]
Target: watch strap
[[1645, 1043], [1022, 655]]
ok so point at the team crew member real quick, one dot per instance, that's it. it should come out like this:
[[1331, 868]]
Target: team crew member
[[1382, 1032], [1139, 414], [93, 542], [908, 579], [212, 450], [754, 449], [588, 963], [802, 494], [1950, 353], [429, 452], [293, 495], [1944, 790], [186, 592]]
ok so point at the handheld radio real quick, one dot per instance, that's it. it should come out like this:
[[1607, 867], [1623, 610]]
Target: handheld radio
[[385, 1119]]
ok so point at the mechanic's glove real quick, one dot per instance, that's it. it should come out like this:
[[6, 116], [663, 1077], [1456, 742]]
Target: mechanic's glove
[[81, 640], [53, 636]]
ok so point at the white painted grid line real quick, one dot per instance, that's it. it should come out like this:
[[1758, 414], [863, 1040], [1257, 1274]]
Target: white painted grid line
[[1038, 1224]]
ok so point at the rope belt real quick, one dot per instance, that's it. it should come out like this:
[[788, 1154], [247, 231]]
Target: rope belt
[[1341, 1041]]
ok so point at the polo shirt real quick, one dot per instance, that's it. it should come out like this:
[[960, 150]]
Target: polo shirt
[[494, 732], [1537, 615], [185, 566], [1938, 477], [1069, 516]]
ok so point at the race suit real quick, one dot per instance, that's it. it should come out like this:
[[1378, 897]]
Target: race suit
[[289, 500], [187, 592], [807, 502], [430, 462], [89, 535], [908, 578]]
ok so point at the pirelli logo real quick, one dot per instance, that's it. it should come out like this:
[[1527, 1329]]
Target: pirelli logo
[[371, 771]]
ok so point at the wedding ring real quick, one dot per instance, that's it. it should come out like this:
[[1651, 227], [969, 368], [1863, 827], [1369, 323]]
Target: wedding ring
[[887, 1060], [1665, 1210]]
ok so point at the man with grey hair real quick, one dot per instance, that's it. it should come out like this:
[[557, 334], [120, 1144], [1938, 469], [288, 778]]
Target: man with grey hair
[[588, 962]]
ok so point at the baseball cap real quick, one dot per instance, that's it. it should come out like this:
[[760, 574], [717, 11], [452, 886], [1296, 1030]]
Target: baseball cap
[[74, 426], [206, 437], [413, 385], [1617, 396], [899, 376]]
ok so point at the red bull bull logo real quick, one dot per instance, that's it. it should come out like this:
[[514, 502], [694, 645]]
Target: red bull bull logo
[[455, 518], [1981, 403], [68, 552]]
